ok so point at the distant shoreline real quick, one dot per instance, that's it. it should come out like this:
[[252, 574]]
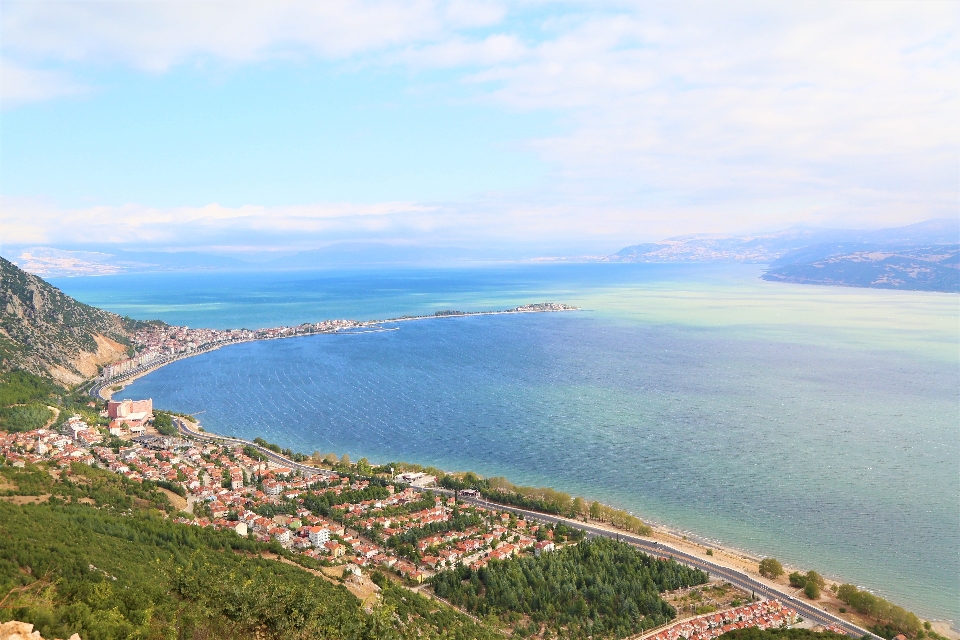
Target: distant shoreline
[[102, 390]]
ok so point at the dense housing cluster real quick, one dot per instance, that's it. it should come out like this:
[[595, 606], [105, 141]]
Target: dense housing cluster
[[765, 614], [337, 519], [156, 344]]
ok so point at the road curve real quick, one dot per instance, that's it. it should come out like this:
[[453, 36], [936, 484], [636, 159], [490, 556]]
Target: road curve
[[271, 455], [737, 578]]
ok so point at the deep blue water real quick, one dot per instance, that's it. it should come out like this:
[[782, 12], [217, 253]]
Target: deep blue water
[[830, 442]]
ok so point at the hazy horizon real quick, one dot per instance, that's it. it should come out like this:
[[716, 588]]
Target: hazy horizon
[[518, 130]]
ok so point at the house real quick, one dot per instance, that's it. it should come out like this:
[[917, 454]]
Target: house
[[280, 535], [544, 546], [318, 536], [335, 549], [271, 487]]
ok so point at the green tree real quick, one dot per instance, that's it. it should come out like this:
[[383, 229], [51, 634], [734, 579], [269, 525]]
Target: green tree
[[812, 590], [595, 510], [816, 578], [363, 467], [798, 580], [771, 568]]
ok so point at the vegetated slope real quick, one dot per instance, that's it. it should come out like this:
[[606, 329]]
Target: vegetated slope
[[926, 268], [598, 588], [48, 333], [118, 569]]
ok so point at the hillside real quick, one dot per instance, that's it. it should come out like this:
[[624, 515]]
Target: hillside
[[117, 568], [931, 268], [48, 333]]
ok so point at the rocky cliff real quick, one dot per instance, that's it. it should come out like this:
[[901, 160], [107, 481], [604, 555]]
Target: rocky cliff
[[48, 333]]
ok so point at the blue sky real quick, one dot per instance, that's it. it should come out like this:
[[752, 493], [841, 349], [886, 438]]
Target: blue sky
[[560, 127]]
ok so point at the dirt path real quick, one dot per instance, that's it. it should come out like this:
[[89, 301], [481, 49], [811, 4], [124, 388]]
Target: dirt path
[[26, 499], [53, 420], [176, 500], [362, 590]]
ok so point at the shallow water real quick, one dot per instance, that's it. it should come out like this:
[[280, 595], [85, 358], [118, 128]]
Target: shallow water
[[814, 424]]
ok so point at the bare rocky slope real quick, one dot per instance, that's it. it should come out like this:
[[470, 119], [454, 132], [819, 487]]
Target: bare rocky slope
[[48, 333]]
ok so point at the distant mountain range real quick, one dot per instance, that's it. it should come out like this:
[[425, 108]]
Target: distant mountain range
[[929, 268], [916, 256], [922, 256], [766, 248], [51, 262]]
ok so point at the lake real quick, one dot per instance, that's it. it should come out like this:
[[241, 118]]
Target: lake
[[818, 425]]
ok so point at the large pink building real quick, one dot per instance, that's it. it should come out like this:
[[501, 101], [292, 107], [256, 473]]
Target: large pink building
[[125, 408]]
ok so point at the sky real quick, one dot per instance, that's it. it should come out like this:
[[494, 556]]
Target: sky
[[547, 127]]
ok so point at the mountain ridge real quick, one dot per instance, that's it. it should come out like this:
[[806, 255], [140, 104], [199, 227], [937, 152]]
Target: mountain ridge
[[764, 248], [46, 332]]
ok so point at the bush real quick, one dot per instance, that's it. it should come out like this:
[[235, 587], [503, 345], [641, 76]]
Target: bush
[[798, 580], [20, 387]]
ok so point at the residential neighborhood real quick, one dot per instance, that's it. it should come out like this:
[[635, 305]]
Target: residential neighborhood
[[332, 518]]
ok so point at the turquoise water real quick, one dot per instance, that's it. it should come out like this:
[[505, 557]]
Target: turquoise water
[[817, 425]]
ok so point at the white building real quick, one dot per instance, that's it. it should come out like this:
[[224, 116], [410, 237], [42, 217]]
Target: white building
[[319, 536]]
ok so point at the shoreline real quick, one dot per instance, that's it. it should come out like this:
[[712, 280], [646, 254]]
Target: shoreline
[[690, 542], [372, 326], [665, 540]]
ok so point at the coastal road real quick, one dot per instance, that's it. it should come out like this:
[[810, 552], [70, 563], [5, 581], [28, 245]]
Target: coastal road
[[154, 364], [273, 456], [807, 610]]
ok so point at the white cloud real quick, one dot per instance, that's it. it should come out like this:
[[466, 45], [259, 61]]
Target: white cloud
[[156, 35], [19, 85], [694, 113], [31, 221]]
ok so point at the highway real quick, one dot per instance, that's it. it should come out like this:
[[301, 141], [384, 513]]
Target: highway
[[154, 364], [806, 609], [273, 456]]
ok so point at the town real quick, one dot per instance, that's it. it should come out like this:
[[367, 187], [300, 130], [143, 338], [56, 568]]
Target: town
[[159, 344], [339, 519], [156, 344]]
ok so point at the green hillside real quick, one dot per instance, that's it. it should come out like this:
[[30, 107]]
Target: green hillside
[[115, 567], [48, 333]]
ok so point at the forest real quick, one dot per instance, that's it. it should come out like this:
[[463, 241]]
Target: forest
[[598, 588]]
